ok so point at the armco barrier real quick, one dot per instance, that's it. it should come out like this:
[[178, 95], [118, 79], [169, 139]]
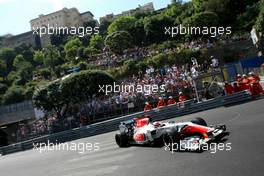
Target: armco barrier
[[112, 124]]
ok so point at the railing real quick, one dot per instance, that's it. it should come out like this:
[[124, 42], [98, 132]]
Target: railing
[[112, 125]]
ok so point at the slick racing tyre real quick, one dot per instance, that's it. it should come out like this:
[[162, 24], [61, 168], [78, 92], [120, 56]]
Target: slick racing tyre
[[199, 121], [121, 140]]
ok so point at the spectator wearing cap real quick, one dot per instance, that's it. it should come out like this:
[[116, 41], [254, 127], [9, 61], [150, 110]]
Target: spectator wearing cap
[[161, 103], [147, 107], [254, 80], [182, 97], [245, 82], [171, 101]]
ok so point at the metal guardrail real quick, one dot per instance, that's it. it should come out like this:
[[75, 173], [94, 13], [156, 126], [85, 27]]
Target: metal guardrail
[[112, 124]]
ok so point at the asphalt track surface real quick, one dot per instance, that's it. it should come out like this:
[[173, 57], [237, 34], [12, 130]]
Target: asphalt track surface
[[245, 122]]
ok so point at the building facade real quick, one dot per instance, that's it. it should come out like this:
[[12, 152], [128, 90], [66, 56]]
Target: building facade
[[149, 7], [65, 18], [12, 41], [62, 18]]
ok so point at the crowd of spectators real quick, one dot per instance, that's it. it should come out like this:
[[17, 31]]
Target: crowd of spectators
[[111, 59]]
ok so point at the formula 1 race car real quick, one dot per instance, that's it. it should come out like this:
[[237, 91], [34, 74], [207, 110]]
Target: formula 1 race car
[[190, 135]]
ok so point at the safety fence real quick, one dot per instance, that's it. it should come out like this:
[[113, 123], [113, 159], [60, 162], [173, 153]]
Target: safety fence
[[112, 124]]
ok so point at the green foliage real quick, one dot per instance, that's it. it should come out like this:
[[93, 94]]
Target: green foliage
[[132, 25], [203, 19], [246, 20], [90, 51], [260, 19], [104, 27], [50, 98], [198, 5], [97, 42], [12, 76], [30, 89], [130, 67], [154, 27], [124, 23], [119, 41], [39, 57], [14, 94], [19, 59], [3, 69], [45, 72], [74, 89], [7, 55], [52, 57], [71, 48], [3, 88]]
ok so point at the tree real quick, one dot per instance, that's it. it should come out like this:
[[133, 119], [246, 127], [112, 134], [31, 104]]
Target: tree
[[260, 19], [26, 50], [97, 42], [39, 57], [71, 48], [13, 95], [119, 41], [49, 98], [80, 86], [3, 69], [52, 57], [155, 27], [260, 28], [203, 19], [124, 23], [19, 59], [131, 25], [104, 24], [7, 55], [58, 95], [198, 5], [3, 88]]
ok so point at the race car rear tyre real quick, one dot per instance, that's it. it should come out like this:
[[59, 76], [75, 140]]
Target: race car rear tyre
[[199, 121], [121, 140]]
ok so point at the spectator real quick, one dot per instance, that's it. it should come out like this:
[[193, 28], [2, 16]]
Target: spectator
[[236, 88], [147, 107], [182, 97], [245, 82], [161, 103], [254, 81], [215, 62], [171, 101], [228, 89]]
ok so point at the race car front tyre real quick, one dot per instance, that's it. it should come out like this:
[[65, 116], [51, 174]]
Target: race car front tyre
[[170, 139], [121, 140], [199, 121]]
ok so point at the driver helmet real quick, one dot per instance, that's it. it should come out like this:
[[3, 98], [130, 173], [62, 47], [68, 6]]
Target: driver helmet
[[156, 124]]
